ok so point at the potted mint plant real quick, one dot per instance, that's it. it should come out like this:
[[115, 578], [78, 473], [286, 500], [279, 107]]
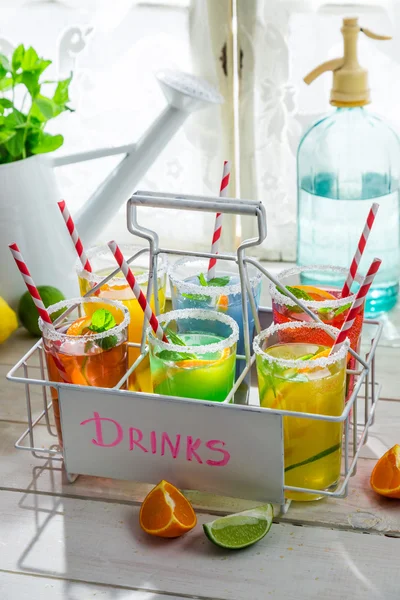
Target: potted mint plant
[[24, 107]]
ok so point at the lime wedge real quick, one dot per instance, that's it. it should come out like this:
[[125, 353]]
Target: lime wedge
[[242, 529]]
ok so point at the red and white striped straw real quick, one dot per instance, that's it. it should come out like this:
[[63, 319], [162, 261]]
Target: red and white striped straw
[[74, 236], [360, 249], [223, 192], [135, 287], [34, 292], [358, 302]]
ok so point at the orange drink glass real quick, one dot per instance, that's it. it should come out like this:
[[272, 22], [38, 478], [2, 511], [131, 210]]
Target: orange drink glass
[[89, 358], [103, 263]]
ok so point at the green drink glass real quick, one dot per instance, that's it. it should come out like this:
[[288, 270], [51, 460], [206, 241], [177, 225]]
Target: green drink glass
[[201, 360]]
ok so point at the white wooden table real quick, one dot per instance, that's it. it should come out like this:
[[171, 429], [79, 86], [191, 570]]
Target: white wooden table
[[81, 541]]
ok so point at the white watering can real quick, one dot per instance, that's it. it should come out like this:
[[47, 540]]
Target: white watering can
[[29, 193]]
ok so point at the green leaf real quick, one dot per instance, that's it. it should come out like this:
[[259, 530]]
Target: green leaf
[[31, 82], [300, 294], [5, 103], [102, 320], [15, 144], [175, 356], [14, 119], [29, 59], [219, 281], [43, 108], [6, 135], [202, 279], [108, 342], [6, 84], [61, 96], [4, 66], [47, 143], [197, 297], [175, 339], [17, 57]]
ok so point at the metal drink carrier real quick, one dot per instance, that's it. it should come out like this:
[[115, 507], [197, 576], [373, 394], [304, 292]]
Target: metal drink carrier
[[366, 389]]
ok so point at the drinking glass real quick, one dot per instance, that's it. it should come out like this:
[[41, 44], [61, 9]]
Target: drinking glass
[[295, 373], [202, 368], [98, 359]]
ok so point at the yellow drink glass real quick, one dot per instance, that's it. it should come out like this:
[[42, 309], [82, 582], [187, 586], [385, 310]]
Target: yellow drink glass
[[103, 263], [298, 376]]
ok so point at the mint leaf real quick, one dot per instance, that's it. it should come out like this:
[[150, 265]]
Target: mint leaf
[[18, 57], [197, 297], [102, 320], [202, 279], [219, 281], [214, 282], [300, 294], [175, 356], [108, 342], [175, 339], [45, 142], [29, 59]]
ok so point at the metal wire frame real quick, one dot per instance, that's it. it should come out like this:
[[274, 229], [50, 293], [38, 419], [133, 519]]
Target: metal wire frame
[[364, 376]]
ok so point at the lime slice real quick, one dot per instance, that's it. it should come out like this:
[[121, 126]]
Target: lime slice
[[240, 530]]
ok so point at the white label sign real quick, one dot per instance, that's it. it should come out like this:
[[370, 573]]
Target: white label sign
[[226, 449]]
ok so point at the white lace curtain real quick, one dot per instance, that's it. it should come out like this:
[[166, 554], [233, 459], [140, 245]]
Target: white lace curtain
[[255, 51]]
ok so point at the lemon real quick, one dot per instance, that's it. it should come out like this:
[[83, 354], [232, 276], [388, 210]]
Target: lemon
[[8, 321], [27, 311]]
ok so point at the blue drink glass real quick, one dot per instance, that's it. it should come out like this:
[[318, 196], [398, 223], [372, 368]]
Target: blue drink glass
[[187, 291]]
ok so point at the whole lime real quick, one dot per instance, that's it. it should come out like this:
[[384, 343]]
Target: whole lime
[[27, 311]]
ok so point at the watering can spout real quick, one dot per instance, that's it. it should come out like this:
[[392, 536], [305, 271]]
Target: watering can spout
[[185, 94]]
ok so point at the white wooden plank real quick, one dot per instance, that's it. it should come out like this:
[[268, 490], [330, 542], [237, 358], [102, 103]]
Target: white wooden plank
[[361, 510], [103, 543], [21, 586]]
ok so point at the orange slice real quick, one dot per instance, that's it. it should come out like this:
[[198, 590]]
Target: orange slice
[[314, 291], [322, 354], [223, 303], [385, 477], [166, 512], [197, 362], [79, 326]]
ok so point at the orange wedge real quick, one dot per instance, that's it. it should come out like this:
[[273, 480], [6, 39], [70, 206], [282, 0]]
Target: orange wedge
[[166, 512], [80, 326], [322, 354], [197, 362], [385, 477], [223, 303], [314, 291]]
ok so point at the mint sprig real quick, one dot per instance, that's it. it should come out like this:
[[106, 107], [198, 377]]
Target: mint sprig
[[173, 355], [299, 294], [22, 124], [103, 320], [214, 282]]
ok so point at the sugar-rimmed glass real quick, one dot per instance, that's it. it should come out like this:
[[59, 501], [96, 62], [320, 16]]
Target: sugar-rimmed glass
[[98, 359], [103, 263], [187, 292], [204, 368], [331, 311], [290, 379]]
